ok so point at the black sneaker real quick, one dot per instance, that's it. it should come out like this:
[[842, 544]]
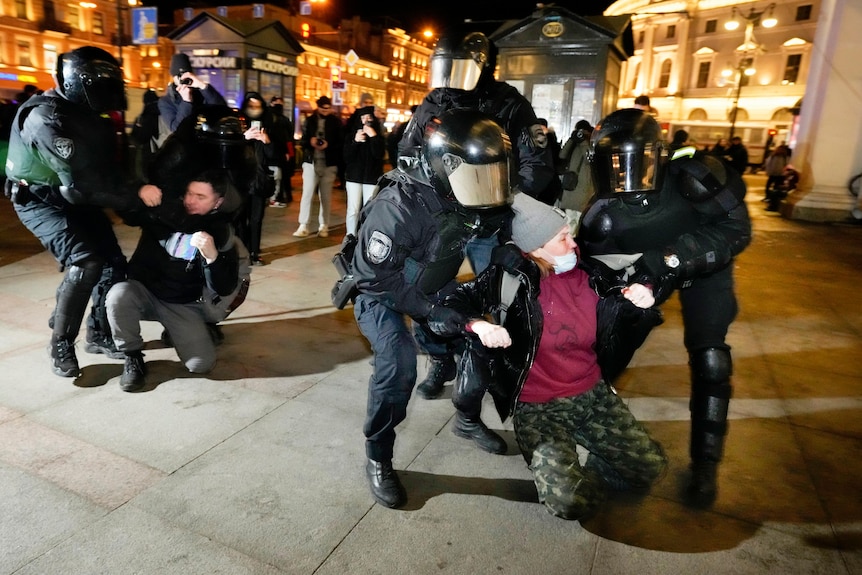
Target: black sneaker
[[101, 343], [64, 362], [133, 372]]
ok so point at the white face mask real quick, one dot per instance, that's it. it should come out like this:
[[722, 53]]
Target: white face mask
[[563, 264]]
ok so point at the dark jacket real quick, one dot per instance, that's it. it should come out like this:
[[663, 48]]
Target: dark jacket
[[737, 157], [181, 279], [174, 109], [183, 156], [264, 154], [699, 215], [502, 371], [363, 160], [410, 245], [67, 153], [333, 133]]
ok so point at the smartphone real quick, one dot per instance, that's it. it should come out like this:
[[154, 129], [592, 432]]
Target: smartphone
[[255, 124]]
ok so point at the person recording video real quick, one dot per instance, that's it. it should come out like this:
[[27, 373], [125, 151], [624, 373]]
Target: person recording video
[[186, 93]]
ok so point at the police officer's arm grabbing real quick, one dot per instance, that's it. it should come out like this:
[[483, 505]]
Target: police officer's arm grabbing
[[388, 235]]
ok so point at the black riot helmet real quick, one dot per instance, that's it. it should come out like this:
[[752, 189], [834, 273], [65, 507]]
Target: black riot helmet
[[91, 77], [627, 154], [466, 157], [223, 140], [458, 60]]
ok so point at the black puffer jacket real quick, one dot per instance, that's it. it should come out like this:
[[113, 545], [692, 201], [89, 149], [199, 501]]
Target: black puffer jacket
[[501, 371]]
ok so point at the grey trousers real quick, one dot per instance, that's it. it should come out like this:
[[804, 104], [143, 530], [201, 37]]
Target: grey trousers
[[129, 303]]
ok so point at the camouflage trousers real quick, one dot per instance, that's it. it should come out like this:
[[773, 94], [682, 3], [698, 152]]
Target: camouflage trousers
[[622, 455]]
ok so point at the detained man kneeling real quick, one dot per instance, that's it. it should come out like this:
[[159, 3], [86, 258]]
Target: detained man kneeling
[[176, 264]]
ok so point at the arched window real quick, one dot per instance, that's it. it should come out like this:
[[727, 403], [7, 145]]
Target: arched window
[[698, 114], [741, 115]]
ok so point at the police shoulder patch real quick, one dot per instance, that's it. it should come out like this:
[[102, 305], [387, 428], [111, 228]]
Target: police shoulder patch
[[379, 247], [64, 147]]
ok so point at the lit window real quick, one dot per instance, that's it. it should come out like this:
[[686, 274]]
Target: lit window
[[664, 77]]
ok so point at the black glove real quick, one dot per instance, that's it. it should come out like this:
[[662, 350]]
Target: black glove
[[507, 255], [445, 321], [653, 271]]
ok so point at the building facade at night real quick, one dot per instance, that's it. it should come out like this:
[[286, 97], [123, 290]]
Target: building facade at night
[[705, 78]]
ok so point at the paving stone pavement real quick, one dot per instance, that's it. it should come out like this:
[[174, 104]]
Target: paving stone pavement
[[258, 467]]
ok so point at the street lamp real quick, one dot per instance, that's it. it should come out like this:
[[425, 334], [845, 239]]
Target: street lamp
[[743, 70], [749, 47]]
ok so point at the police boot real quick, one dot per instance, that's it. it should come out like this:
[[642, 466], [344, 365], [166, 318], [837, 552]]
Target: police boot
[[99, 338], [472, 427], [710, 398], [64, 362], [703, 484], [73, 295], [441, 370], [384, 483]]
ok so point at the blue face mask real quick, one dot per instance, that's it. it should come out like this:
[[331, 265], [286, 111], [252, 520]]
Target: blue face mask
[[563, 264]]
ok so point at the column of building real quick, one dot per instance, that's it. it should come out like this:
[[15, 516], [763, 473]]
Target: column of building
[[829, 142]]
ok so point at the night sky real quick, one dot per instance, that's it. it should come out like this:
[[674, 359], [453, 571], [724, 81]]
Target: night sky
[[412, 16]]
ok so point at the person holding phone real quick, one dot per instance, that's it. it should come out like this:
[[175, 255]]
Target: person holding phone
[[249, 223], [364, 150], [185, 94], [322, 145]]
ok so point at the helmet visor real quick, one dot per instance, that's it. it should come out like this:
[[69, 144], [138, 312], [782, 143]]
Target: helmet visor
[[103, 86], [461, 74], [632, 171], [481, 185]]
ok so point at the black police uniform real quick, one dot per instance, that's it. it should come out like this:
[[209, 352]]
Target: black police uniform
[[63, 169], [689, 233], [410, 247]]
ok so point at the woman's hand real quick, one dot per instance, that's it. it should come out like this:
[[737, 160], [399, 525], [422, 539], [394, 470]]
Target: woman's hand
[[491, 335], [640, 295]]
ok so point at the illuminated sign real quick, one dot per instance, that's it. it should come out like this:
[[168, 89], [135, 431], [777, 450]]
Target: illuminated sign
[[214, 62], [274, 67]]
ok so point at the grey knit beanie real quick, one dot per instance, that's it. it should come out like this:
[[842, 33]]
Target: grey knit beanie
[[534, 223]]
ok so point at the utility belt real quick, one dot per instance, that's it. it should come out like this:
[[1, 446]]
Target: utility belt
[[18, 192], [344, 289], [22, 193]]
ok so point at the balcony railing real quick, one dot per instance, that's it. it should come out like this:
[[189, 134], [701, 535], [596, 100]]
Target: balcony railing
[[55, 25]]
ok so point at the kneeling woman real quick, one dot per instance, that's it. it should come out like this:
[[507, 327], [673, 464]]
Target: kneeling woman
[[548, 377]]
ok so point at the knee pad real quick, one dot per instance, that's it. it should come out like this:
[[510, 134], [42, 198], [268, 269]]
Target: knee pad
[[83, 273], [711, 366]]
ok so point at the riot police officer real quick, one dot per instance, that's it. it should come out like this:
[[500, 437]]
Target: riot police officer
[[462, 76], [686, 215], [63, 168], [410, 247]]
